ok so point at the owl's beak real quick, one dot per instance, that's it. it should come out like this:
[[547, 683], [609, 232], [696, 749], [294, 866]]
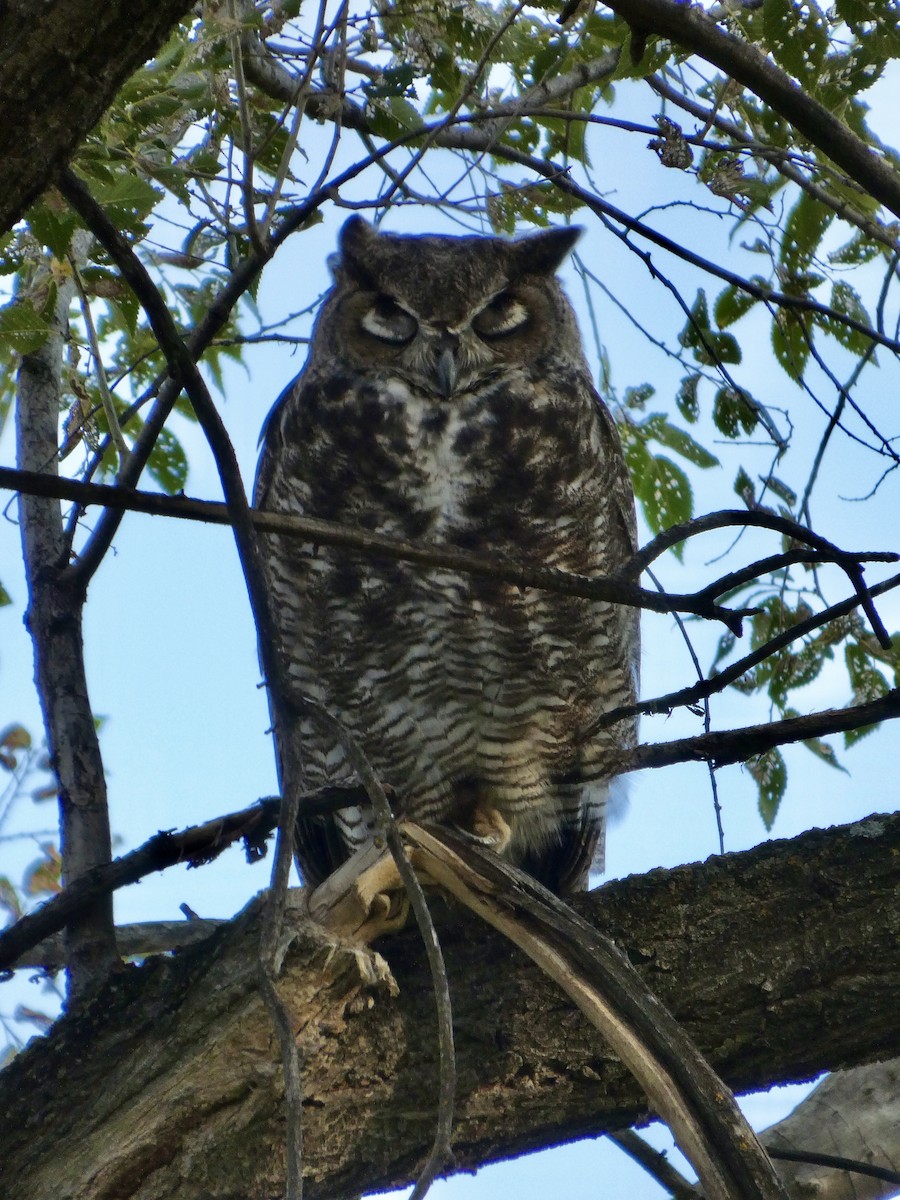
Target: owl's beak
[[446, 368]]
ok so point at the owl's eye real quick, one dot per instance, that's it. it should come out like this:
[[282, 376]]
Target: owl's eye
[[504, 315], [388, 322]]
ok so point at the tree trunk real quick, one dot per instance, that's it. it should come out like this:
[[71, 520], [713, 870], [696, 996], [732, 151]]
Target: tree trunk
[[781, 962], [61, 64]]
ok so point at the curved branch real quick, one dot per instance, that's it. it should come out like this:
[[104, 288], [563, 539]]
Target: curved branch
[[689, 26], [598, 977]]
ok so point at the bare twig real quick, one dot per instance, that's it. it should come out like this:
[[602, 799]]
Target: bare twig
[[656, 1164], [138, 940], [196, 845], [737, 745], [441, 1153]]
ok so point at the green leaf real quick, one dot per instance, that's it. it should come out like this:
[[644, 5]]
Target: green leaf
[[392, 117], [797, 37], [846, 300], [5, 597], [745, 488], [790, 343], [867, 682], [168, 462], [781, 490], [859, 249], [130, 192], [22, 328], [53, 229], [686, 398], [665, 495], [733, 412], [731, 304], [709, 346], [636, 397], [770, 773], [803, 232], [680, 441]]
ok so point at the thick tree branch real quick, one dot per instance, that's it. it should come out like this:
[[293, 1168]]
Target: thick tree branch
[[780, 963], [689, 26], [598, 977], [61, 64]]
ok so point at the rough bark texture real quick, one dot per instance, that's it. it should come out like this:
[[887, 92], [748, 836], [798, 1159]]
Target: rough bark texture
[[60, 66], [781, 962]]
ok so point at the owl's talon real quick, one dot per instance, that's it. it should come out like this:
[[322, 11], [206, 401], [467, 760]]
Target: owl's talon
[[489, 828]]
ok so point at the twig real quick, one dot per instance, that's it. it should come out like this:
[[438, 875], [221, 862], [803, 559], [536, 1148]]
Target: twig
[[656, 1164], [737, 745], [441, 1153], [196, 845], [109, 408], [837, 1161], [758, 518], [780, 159], [690, 27], [138, 940], [721, 680]]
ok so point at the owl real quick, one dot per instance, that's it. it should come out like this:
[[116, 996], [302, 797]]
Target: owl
[[446, 399]]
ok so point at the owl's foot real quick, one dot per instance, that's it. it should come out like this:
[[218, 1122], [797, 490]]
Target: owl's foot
[[491, 829], [363, 899]]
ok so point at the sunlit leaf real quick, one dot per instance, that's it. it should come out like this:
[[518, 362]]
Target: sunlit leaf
[[44, 875]]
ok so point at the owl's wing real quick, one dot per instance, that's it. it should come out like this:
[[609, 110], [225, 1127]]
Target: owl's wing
[[271, 442]]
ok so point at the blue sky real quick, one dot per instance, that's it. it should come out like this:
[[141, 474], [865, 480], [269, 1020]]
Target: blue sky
[[172, 658]]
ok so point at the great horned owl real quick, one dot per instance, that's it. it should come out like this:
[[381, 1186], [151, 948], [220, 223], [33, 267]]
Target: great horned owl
[[446, 399]]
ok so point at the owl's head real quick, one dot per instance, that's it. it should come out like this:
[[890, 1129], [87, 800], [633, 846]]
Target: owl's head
[[447, 313]]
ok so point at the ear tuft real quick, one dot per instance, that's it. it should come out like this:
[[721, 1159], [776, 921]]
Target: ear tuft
[[355, 245], [543, 253]]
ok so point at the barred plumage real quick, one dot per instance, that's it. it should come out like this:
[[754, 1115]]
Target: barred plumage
[[446, 398]]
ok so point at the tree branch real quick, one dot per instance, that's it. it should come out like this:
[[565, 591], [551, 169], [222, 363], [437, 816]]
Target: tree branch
[[332, 533], [737, 745], [61, 64], [689, 26], [780, 962]]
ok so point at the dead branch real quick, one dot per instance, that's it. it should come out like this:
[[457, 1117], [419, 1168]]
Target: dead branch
[[599, 979]]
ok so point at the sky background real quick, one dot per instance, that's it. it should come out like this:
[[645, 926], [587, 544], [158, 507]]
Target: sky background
[[171, 653]]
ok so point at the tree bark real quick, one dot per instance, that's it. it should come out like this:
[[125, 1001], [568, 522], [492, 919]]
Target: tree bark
[[61, 64], [54, 620], [781, 962]]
